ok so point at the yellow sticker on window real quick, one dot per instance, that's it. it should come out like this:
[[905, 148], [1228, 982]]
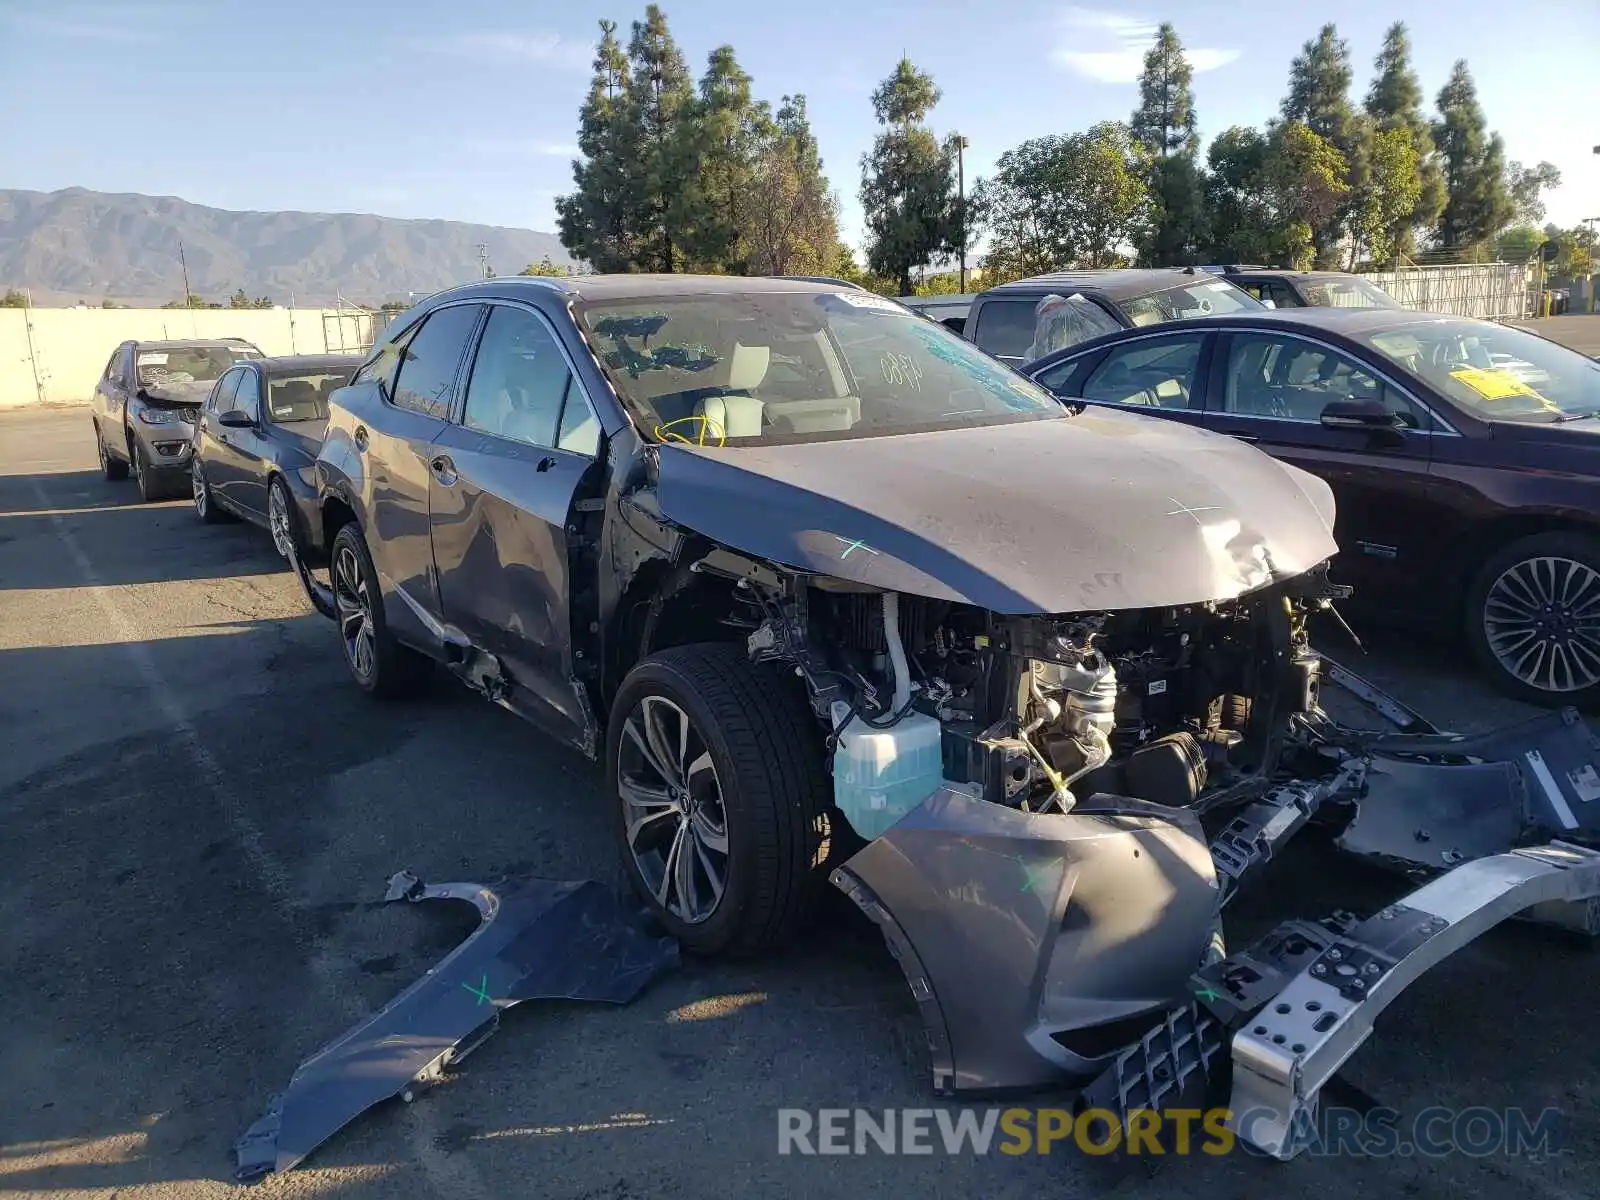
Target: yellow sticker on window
[[1492, 383]]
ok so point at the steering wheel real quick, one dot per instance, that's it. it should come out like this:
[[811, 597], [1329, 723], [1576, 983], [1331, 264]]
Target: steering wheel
[[666, 433]]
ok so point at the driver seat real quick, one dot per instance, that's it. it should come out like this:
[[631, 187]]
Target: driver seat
[[737, 413]]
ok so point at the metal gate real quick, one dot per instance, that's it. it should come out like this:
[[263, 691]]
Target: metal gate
[[1491, 291]]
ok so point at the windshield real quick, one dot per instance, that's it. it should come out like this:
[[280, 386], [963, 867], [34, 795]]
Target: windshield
[[304, 396], [1346, 293], [1203, 298], [763, 367], [187, 364], [1496, 371]]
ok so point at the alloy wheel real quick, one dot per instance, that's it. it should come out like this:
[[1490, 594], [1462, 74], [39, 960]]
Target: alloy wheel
[[354, 607], [100, 449], [202, 500], [673, 812], [278, 521], [1541, 618]]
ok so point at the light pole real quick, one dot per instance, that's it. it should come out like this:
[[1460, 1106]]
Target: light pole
[[961, 201]]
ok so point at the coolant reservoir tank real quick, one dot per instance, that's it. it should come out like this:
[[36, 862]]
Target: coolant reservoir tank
[[879, 775]]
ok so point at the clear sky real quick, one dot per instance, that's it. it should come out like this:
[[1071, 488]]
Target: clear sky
[[467, 109]]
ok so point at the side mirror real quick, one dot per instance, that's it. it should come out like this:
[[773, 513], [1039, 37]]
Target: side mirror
[[236, 418], [1366, 416]]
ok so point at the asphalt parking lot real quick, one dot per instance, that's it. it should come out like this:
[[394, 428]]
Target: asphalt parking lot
[[198, 812]]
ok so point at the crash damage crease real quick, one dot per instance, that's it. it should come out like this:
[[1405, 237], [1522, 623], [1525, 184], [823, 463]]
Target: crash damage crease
[[537, 940]]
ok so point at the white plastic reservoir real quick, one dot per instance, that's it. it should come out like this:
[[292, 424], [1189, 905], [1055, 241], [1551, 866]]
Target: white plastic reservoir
[[879, 775]]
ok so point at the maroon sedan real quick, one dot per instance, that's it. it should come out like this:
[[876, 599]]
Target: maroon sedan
[[1464, 456]]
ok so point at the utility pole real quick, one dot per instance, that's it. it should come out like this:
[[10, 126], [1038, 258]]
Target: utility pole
[[184, 264], [961, 200], [483, 260]]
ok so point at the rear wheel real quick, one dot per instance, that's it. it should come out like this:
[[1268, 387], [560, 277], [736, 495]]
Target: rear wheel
[[110, 468], [1533, 618], [717, 769], [381, 665]]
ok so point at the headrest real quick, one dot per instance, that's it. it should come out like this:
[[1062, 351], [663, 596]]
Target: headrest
[[747, 367]]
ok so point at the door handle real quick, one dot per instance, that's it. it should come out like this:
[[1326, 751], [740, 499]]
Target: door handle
[[361, 437], [545, 464], [443, 470]]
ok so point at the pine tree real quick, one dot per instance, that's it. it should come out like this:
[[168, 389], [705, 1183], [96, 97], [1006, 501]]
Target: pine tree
[[1394, 101], [1164, 123], [794, 227], [724, 133], [907, 179], [1477, 204], [658, 100], [594, 222], [1319, 99]]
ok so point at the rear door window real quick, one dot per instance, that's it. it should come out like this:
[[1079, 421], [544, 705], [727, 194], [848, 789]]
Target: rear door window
[[1154, 372], [425, 382], [1005, 328]]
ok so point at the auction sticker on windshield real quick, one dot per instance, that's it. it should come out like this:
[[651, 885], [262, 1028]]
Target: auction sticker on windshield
[[869, 300], [1493, 383]]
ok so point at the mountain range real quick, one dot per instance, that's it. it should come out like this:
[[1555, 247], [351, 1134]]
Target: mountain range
[[77, 245]]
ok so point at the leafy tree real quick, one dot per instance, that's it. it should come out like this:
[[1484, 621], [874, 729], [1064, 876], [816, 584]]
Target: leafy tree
[[793, 226], [907, 180], [1306, 181], [846, 268], [1385, 207], [1164, 125], [240, 300], [1394, 101], [1319, 100], [191, 301], [545, 267], [595, 221], [1061, 201], [659, 99], [1524, 184], [1241, 220], [1477, 204], [14, 299], [1576, 252], [1519, 243]]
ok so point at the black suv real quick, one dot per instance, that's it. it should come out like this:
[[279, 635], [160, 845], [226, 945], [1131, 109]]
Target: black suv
[[1003, 320]]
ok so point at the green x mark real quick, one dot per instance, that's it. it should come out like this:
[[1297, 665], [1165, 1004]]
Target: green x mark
[[481, 991], [1208, 993], [1033, 875]]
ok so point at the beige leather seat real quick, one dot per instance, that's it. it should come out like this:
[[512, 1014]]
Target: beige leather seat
[[738, 415]]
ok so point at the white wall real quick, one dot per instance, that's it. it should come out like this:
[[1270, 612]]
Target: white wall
[[56, 355]]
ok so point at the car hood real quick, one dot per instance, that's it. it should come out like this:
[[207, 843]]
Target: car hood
[[168, 394], [1096, 511]]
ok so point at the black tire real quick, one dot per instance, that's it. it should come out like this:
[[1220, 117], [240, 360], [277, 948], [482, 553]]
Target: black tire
[[767, 753], [205, 503], [1508, 584], [110, 468], [394, 670], [148, 489]]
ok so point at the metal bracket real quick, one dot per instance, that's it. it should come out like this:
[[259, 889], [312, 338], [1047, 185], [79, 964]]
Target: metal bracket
[[1314, 1024], [1258, 832]]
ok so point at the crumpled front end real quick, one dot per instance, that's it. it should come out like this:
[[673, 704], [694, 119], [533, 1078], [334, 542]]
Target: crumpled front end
[[1035, 942]]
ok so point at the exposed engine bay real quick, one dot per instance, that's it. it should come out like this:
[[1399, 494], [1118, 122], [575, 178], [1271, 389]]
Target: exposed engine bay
[[1180, 707]]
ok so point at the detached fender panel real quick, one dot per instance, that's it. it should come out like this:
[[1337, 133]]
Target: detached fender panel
[[541, 941], [1031, 939]]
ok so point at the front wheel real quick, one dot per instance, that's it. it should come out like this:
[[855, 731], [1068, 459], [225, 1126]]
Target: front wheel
[[281, 519], [149, 489], [1533, 619], [110, 468], [381, 665], [205, 503], [716, 766]]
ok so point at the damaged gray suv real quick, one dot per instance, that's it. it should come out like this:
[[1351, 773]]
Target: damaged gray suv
[[832, 592]]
